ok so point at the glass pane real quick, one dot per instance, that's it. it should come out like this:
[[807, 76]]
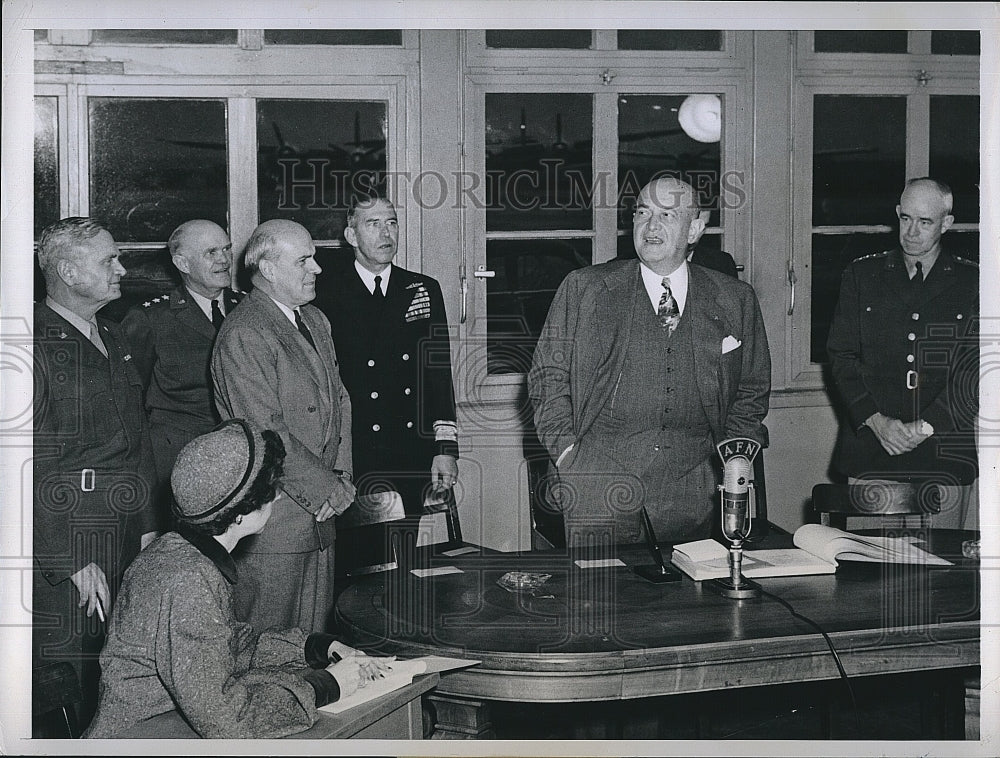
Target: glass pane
[[314, 155], [665, 39], [955, 43], [41, 35], [333, 37], [574, 39], [954, 151], [963, 244], [528, 273], [46, 162], [155, 164], [830, 255], [539, 166], [168, 36], [859, 160], [872, 41], [652, 142]]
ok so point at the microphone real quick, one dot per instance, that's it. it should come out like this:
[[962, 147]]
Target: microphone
[[736, 492]]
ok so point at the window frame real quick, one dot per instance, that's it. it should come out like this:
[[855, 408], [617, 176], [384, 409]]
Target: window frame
[[898, 77]]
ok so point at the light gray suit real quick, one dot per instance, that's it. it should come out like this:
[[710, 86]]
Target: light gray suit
[[264, 370]]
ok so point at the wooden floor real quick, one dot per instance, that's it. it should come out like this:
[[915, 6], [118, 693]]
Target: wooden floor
[[901, 707]]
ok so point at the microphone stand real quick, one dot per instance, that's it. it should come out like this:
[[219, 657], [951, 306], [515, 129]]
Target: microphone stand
[[736, 586]]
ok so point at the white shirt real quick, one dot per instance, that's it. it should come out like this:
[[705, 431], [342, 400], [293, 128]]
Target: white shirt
[[289, 312], [206, 303], [369, 278], [678, 285]]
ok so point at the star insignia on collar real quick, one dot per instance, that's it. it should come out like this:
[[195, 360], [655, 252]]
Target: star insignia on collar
[[146, 304], [62, 335]]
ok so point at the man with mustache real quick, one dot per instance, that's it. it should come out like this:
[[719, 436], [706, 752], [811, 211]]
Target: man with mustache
[[93, 467], [643, 366], [171, 339], [274, 363]]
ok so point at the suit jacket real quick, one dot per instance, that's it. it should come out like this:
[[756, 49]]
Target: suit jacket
[[395, 360], [718, 260], [171, 341], [264, 370], [579, 356], [93, 466], [881, 331]]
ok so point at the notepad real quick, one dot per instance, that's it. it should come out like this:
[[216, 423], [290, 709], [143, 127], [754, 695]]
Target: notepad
[[399, 675]]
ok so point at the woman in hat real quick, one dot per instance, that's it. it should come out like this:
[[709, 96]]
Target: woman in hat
[[173, 642]]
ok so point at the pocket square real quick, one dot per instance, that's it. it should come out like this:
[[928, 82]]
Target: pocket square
[[729, 344]]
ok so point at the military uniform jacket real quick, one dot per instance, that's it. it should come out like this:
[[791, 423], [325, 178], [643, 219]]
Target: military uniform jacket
[[171, 342], [907, 356], [93, 466], [395, 360]]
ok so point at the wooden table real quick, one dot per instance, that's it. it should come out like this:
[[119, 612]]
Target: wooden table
[[605, 634]]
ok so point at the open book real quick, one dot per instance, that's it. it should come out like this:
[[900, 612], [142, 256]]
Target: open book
[[818, 549], [400, 674]]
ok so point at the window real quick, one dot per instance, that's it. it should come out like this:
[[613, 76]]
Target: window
[[164, 36], [46, 162], [866, 138], [578, 39], [669, 39], [333, 37]]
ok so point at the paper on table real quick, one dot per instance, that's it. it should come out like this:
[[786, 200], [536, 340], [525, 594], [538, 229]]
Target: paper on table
[[439, 663], [598, 563], [399, 675], [460, 551], [438, 571]]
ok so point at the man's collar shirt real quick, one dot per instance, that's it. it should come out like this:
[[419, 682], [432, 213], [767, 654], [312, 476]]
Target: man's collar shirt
[[678, 285]]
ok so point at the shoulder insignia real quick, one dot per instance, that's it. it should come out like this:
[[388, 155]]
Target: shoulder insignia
[[146, 304], [164, 298], [872, 256], [965, 261]]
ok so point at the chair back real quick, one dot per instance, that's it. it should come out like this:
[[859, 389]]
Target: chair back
[[877, 499]]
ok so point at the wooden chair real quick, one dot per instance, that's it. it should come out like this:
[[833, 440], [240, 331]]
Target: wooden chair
[[835, 502], [56, 696]]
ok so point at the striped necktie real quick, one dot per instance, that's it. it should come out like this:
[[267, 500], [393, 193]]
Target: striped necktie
[[667, 310]]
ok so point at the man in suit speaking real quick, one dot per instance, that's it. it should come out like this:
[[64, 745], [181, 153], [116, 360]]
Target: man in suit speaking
[[642, 367], [274, 363]]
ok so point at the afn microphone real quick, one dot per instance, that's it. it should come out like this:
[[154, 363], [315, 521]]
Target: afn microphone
[[736, 490]]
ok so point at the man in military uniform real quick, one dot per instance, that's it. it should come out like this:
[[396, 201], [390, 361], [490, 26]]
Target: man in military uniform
[[171, 340], [905, 358], [93, 467], [391, 333]]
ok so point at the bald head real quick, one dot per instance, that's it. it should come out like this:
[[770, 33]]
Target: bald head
[[666, 221], [202, 253], [281, 255], [924, 213]]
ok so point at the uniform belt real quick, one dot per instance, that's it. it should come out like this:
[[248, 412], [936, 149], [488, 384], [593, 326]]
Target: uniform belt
[[911, 379]]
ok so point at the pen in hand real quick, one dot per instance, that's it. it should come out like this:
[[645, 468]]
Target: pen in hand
[[100, 610]]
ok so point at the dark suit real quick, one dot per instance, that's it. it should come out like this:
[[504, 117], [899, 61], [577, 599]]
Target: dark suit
[[93, 475], [171, 341], [589, 339], [881, 330], [717, 260], [264, 370], [395, 361]]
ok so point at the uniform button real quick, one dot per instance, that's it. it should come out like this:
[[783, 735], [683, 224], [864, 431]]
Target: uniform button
[[409, 424], [406, 356], [376, 427], [958, 316], [656, 448], [374, 396], [311, 409], [868, 309], [911, 336], [406, 391], [915, 316], [909, 358], [371, 363]]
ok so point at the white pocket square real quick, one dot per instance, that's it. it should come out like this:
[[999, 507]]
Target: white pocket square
[[729, 344]]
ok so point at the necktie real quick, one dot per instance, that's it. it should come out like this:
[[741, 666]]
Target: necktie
[[667, 310], [95, 337], [303, 329], [917, 280], [377, 295], [216, 315]]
